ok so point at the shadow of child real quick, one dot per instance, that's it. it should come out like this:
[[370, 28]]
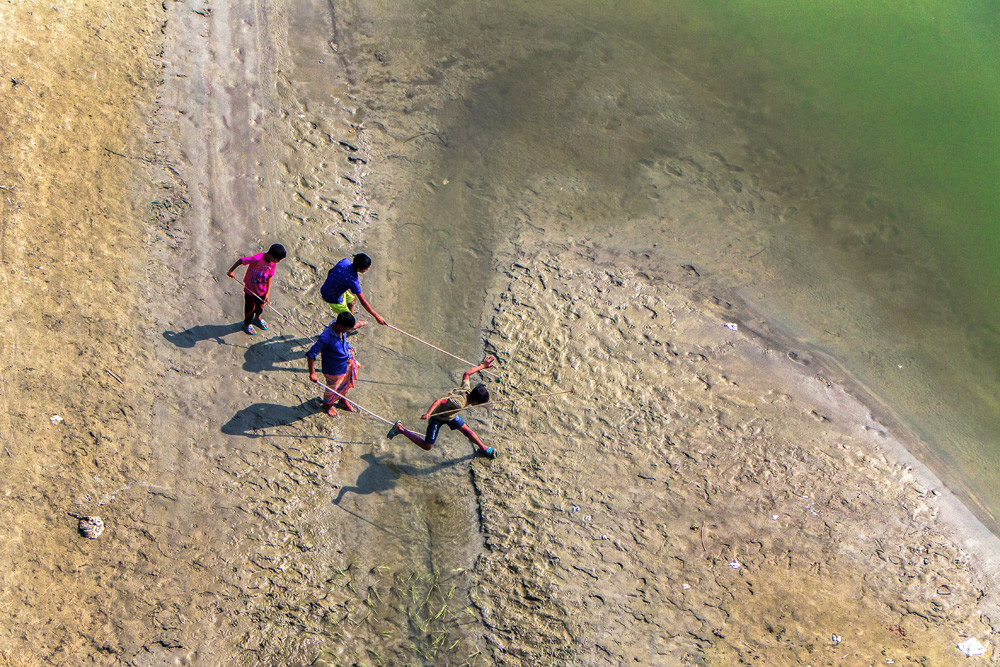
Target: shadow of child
[[381, 474], [259, 416], [191, 337], [264, 355]]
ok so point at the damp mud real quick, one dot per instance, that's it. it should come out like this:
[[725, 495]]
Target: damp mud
[[709, 494]]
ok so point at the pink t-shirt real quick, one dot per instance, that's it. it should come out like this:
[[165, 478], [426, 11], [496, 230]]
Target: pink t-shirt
[[258, 271]]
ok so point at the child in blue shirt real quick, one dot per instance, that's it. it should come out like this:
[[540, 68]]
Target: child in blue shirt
[[343, 285], [338, 364]]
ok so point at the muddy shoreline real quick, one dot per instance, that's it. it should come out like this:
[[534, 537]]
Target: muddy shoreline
[[708, 496]]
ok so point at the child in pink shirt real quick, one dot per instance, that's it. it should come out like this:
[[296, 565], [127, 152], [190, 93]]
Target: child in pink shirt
[[257, 284]]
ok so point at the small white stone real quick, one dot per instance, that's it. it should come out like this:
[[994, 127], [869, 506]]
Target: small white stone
[[91, 527]]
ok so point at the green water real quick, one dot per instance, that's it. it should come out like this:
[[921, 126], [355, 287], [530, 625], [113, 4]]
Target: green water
[[910, 95], [906, 94]]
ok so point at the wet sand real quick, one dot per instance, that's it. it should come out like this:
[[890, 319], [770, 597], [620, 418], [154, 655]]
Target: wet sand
[[707, 496]]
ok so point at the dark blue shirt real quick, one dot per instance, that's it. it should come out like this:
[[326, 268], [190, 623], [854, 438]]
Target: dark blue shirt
[[343, 277], [335, 351]]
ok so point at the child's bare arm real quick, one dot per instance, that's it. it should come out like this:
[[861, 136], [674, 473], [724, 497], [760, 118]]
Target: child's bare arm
[[312, 369], [232, 268], [371, 311], [434, 406], [487, 363]]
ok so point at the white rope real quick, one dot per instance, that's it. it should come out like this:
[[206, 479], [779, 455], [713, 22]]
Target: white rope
[[435, 347], [344, 398]]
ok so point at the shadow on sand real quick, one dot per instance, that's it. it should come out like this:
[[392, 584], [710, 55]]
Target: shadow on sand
[[263, 355], [379, 476], [194, 335], [249, 421]]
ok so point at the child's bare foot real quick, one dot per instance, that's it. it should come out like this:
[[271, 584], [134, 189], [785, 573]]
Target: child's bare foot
[[331, 409], [344, 405], [358, 325]]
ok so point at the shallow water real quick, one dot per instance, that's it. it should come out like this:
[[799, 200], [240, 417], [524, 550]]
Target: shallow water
[[859, 145]]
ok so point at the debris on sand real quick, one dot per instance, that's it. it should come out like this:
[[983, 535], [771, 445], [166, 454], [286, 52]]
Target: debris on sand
[[971, 647], [90, 527]]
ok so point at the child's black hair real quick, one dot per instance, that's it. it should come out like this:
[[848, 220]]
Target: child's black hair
[[277, 251], [479, 394], [346, 320], [362, 261]]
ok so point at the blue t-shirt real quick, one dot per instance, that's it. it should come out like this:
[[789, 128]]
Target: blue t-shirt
[[335, 351], [343, 277]]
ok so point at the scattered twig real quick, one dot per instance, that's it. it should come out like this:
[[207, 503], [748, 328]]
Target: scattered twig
[[8, 452], [703, 537], [147, 160], [114, 376], [431, 133]]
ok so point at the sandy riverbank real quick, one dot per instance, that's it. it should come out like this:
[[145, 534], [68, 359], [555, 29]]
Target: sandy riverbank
[[707, 496], [712, 500]]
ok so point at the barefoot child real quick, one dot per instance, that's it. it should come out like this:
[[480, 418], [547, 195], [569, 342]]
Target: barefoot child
[[339, 366], [444, 411], [257, 284], [343, 285]]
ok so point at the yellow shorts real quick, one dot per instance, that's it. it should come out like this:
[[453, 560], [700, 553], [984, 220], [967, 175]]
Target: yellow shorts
[[345, 306]]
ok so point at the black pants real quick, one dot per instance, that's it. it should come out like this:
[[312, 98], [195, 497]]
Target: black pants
[[253, 308]]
